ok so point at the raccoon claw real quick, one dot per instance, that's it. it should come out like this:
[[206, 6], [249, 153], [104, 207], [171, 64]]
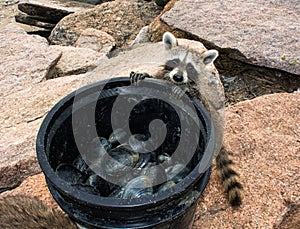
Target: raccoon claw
[[135, 77], [177, 92]]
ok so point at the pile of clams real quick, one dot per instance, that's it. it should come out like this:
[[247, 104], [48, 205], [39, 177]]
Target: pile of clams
[[127, 170]]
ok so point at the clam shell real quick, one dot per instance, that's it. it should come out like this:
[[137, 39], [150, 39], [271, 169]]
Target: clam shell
[[80, 164], [98, 147], [137, 142], [98, 184], [156, 173], [144, 160], [177, 172], [117, 192], [117, 162], [164, 158], [69, 173], [140, 143], [166, 186], [117, 136], [138, 187]]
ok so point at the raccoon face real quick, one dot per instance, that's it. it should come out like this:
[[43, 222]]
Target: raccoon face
[[185, 66], [180, 72]]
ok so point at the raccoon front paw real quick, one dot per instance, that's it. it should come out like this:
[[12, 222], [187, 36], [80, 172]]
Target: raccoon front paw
[[177, 92], [135, 77]]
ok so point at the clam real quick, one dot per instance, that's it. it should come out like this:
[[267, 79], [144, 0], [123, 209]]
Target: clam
[[105, 143], [97, 149], [164, 158], [141, 143], [117, 162], [138, 142], [144, 160], [166, 186], [69, 173], [177, 172], [156, 173], [138, 187], [98, 184], [80, 164], [117, 136], [86, 188], [117, 192]]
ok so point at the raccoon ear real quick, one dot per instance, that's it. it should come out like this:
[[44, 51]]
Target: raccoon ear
[[209, 56], [169, 40]]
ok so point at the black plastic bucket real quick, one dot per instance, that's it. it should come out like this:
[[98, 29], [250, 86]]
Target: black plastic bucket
[[57, 142]]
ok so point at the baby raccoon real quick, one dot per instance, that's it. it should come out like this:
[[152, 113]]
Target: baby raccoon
[[192, 72], [27, 212]]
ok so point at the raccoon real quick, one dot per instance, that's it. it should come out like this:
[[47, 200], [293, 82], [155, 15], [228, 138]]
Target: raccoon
[[192, 72], [27, 212]]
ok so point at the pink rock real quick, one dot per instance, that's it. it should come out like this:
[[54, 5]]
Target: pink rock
[[120, 19], [264, 135], [25, 60], [21, 115], [265, 32]]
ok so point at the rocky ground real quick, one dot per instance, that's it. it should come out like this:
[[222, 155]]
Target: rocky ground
[[259, 65]]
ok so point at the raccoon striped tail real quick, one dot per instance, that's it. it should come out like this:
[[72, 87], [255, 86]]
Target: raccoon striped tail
[[230, 178]]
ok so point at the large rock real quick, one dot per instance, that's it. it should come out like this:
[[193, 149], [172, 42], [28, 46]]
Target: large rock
[[265, 32], [25, 60], [96, 40], [21, 115], [158, 27], [22, 110], [121, 19], [52, 9], [46, 14], [75, 61], [26, 96], [264, 133], [91, 49]]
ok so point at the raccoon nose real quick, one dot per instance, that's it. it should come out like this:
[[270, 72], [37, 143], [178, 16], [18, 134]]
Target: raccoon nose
[[178, 77]]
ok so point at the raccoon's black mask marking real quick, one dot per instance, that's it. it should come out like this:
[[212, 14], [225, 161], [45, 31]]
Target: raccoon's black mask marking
[[182, 68], [171, 64], [191, 72]]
